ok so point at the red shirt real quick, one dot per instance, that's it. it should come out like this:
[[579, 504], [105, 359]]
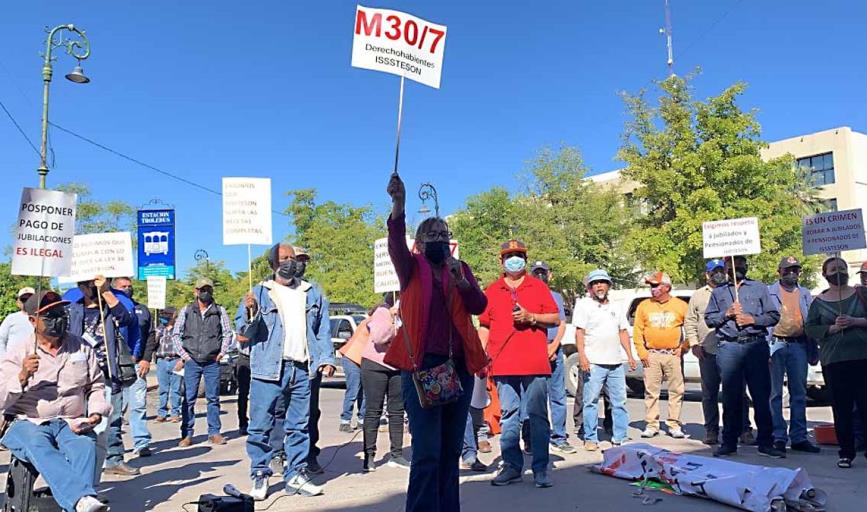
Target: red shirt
[[517, 349]]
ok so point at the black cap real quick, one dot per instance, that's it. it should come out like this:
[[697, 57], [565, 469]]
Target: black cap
[[789, 262], [41, 302], [539, 265]]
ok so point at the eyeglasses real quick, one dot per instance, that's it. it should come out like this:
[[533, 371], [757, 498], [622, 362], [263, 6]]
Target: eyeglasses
[[438, 235]]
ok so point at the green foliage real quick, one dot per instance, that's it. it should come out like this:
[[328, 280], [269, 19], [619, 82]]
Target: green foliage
[[699, 161], [9, 286], [92, 216]]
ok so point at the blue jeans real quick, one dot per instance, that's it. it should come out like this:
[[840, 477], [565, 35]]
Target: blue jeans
[[63, 458], [789, 359], [114, 442], [739, 363], [293, 390], [170, 388], [135, 399], [613, 378], [437, 438], [557, 398], [193, 372], [354, 394], [530, 394]]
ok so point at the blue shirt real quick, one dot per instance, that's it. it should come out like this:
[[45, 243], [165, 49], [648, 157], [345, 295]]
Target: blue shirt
[[755, 301], [561, 310]]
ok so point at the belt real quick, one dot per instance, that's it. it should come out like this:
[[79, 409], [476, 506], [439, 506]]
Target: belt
[[746, 339], [791, 339], [669, 351], [168, 357]]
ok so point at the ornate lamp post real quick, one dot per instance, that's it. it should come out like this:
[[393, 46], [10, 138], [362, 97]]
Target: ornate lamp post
[[427, 191]]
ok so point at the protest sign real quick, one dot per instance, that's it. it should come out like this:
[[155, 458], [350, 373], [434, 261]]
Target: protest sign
[[384, 275], [833, 232], [731, 237], [156, 243], [398, 43], [105, 254], [246, 211], [44, 233], [157, 292]]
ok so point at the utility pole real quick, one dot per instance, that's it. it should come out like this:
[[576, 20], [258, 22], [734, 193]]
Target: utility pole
[[668, 42]]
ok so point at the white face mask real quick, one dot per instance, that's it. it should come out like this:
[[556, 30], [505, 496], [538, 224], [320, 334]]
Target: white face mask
[[515, 265]]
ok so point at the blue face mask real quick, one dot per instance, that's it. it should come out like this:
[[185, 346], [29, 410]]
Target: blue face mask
[[515, 264]]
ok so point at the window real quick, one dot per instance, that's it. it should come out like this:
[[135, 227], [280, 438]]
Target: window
[[830, 205], [821, 168]]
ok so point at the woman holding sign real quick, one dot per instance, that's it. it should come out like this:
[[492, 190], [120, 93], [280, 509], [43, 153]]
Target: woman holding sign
[[838, 320], [437, 349]]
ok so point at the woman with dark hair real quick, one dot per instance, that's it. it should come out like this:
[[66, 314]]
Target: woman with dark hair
[[438, 296], [838, 321]]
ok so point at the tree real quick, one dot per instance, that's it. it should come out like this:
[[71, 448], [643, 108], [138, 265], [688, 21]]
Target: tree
[[9, 286], [699, 161], [92, 216]]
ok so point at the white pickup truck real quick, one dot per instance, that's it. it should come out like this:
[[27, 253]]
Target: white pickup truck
[[630, 299]]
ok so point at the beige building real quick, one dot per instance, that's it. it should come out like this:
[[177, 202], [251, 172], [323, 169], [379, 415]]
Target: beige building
[[837, 159]]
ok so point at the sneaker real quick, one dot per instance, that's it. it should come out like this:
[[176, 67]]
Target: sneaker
[[314, 467], [806, 446], [618, 442], [725, 451], [259, 491], [711, 438], [90, 504], [398, 462], [590, 446], [369, 463], [143, 452], [770, 451], [122, 469], [541, 480], [187, 441], [780, 445], [277, 463], [302, 485], [563, 447], [649, 432], [475, 465], [217, 439], [484, 446], [747, 438], [507, 475], [676, 433], [345, 427]]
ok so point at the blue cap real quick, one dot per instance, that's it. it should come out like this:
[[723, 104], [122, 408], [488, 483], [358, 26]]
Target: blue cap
[[598, 275], [714, 264]]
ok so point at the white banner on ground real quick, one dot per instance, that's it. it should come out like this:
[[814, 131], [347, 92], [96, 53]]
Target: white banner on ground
[[731, 237], [246, 211], [384, 275], [745, 486], [398, 43], [105, 254], [157, 292], [44, 233], [833, 232]]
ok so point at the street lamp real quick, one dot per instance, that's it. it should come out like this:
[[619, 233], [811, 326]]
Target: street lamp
[[78, 48], [202, 255], [427, 191]]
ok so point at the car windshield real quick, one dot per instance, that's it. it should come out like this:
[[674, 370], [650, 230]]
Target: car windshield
[[358, 319]]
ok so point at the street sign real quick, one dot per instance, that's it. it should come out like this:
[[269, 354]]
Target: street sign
[[732, 237], [833, 232], [44, 233], [156, 243]]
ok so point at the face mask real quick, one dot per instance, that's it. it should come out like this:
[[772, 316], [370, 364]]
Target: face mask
[[718, 278], [740, 273], [287, 269], [789, 280], [55, 327], [515, 264], [92, 292], [164, 321], [436, 252], [205, 297], [300, 269], [126, 291], [838, 278], [543, 276]]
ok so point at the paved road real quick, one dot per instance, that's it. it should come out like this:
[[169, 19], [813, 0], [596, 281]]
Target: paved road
[[174, 476]]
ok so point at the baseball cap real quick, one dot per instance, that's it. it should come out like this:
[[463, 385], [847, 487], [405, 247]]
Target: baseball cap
[[598, 275], [863, 268], [714, 264], [513, 246], [301, 252], [539, 265], [202, 282], [25, 291], [789, 262], [658, 278], [43, 301]]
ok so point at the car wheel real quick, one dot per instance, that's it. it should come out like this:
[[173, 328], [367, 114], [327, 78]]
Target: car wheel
[[572, 374], [636, 386]]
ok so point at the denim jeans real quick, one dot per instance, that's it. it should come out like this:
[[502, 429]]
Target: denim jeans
[[193, 373], [557, 398], [437, 436], [293, 390], [354, 394], [529, 394], [63, 458], [739, 363], [477, 429], [169, 388], [135, 401], [114, 441], [789, 359], [612, 377], [313, 418]]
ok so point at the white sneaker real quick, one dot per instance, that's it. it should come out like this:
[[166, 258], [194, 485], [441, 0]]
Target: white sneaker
[[90, 504], [259, 491], [649, 432], [302, 484], [676, 433]]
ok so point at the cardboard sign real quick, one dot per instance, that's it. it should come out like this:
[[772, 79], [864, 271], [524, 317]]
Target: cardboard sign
[[246, 211], [398, 43], [105, 254], [384, 275], [157, 292], [833, 232], [44, 233], [156, 243], [731, 237]]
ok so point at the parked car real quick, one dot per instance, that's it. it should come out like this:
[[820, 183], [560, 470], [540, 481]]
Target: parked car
[[342, 328]]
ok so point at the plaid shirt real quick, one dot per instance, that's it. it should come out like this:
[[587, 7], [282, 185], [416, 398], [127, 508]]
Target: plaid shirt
[[166, 346]]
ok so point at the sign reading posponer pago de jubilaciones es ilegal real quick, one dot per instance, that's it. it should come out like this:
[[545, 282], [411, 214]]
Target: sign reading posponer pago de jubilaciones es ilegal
[[732, 237], [833, 232], [399, 43], [44, 233]]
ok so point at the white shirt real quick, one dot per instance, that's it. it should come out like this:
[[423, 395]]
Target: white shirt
[[602, 324], [14, 326], [292, 306]]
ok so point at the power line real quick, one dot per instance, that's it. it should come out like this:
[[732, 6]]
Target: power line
[[712, 26], [20, 130]]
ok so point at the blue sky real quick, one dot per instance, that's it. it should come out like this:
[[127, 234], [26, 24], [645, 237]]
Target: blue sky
[[265, 88]]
